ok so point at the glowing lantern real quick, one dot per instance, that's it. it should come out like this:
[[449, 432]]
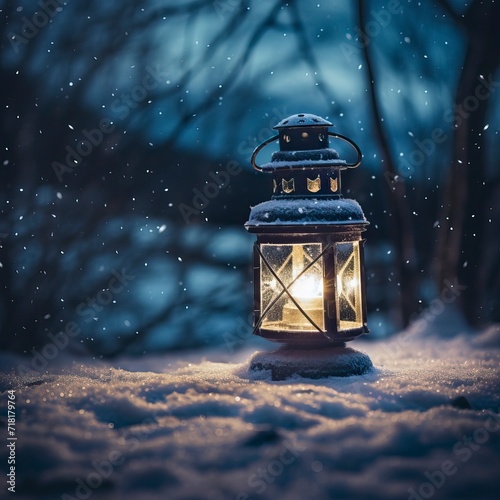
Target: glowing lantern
[[308, 257]]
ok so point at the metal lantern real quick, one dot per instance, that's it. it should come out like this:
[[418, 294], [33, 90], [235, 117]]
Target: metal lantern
[[308, 257]]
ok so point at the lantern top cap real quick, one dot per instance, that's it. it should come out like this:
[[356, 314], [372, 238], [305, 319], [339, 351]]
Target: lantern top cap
[[302, 120], [304, 146]]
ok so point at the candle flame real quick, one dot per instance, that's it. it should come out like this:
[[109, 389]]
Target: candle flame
[[307, 287]]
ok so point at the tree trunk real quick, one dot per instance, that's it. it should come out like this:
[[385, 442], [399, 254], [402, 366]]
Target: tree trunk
[[402, 233], [462, 238]]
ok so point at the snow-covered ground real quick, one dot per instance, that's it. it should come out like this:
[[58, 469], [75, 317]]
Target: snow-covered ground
[[424, 423]]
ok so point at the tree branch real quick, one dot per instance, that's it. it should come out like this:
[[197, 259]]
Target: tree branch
[[402, 231], [308, 53]]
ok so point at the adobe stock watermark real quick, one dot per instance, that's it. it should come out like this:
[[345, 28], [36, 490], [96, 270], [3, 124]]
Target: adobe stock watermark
[[264, 476], [462, 450], [202, 196], [426, 147], [221, 179], [242, 332], [31, 27], [246, 147], [103, 469], [378, 19], [91, 139], [419, 321], [87, 309]]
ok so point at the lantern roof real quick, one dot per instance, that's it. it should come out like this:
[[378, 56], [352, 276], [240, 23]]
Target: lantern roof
[[303, 212], [302, 120]]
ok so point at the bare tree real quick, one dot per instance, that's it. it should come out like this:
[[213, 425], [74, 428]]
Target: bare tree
[[402, 233], [54, 230], [467, 251]]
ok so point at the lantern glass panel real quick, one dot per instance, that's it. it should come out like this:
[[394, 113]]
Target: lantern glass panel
[[347, 265], [300, 269]]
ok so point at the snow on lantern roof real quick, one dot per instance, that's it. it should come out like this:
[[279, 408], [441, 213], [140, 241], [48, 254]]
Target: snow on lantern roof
[[302, 120], [307, 211]]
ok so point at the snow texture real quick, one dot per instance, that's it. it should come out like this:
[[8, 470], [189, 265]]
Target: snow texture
[[303, 210], [423, 423]]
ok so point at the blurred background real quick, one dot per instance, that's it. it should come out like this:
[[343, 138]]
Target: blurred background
[[116, 115]]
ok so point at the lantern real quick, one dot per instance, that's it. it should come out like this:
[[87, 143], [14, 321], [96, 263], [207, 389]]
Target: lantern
[[308, 257]]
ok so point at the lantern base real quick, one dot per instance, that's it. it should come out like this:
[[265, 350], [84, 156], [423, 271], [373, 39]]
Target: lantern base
[[334, 361]]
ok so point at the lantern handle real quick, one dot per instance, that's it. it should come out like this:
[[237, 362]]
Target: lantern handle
[[257, 150], [353, 144], [331, 134]]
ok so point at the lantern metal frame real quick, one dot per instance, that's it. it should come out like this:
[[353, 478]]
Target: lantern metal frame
[[331, 220]]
